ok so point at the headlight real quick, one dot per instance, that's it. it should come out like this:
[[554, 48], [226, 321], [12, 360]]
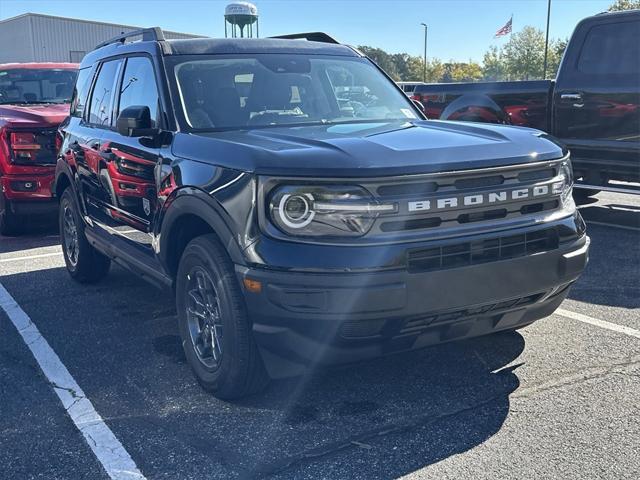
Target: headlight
[[310, 210], [564, 185]]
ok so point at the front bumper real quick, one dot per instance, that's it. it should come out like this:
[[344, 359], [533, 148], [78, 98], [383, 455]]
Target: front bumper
[[28, 195], [305, 319], [26, 187]]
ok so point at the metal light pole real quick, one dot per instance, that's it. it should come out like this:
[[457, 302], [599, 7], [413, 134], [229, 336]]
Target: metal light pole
[[424, 67], [546, 41]]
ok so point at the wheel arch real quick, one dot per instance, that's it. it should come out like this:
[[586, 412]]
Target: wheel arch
[[190, 216], [492, 112]]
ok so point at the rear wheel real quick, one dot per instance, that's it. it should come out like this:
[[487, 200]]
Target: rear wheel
[[84, 263], [213, 322]]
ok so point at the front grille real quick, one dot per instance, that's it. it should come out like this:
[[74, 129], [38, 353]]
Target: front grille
[[448, 200], [454, 255]]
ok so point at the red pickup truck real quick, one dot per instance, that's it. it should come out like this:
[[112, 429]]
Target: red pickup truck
[[34, 100]]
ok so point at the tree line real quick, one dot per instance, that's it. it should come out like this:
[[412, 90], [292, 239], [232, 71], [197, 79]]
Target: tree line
[[520, 58]]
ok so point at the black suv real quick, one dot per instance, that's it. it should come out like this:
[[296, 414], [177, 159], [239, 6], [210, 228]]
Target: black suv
[[302, 209]]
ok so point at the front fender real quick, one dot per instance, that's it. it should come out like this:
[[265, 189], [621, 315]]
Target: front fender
[[195, 202]]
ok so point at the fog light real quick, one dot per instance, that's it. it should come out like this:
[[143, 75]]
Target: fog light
[[24, 185]]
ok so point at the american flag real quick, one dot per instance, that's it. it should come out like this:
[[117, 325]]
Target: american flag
[[505, 30]]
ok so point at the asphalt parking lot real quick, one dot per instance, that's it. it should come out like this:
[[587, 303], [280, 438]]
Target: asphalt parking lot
[[558, 399]]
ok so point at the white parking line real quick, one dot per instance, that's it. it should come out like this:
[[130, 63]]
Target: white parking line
[[599, 323], [106, 447], [614, 225], [30, 257]]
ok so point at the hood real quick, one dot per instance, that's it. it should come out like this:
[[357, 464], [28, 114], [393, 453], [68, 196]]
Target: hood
[[50, 115], [368, 149]]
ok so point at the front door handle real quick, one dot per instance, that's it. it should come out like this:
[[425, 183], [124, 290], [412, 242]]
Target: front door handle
[[576, 98]]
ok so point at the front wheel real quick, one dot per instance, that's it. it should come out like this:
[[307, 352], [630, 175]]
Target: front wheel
[[213, 322], [84, 263]]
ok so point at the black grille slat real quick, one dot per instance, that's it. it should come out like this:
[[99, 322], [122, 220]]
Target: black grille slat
[[537, 175], [479, 182], [407, 189], [473, 253]]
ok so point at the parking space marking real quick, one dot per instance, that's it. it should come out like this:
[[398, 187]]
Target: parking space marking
[[614, 225], [106, 447], [29, 257], [599, 323]]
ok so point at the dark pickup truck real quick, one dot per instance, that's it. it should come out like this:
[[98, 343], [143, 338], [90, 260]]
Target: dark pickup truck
[[593, 106]]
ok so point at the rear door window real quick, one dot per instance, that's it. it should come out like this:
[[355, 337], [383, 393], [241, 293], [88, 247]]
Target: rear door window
[[611, 48], [81, 92], [102, 98]]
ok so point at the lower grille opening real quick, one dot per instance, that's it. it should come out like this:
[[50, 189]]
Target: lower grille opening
[[482, 251]]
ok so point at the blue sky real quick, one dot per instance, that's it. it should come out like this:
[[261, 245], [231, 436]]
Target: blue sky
[[458, 29]]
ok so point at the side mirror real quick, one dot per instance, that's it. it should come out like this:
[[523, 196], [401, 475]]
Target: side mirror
[[135, 121]]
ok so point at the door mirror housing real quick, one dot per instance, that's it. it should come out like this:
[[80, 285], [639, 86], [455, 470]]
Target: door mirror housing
[[135, 121]]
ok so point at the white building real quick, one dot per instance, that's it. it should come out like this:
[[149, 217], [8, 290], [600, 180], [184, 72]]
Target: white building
[[33, 37]]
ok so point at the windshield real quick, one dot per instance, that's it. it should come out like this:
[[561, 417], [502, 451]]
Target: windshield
[[34, 86], [219, 92]]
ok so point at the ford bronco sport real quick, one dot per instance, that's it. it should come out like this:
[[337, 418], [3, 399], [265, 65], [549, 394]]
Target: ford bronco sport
[[300, 207]]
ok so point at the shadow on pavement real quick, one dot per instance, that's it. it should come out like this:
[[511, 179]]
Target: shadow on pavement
[[32, 236], [612, 276], [119, 340]]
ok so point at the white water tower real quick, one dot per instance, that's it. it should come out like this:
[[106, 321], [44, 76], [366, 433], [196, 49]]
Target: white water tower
[[241, 16]]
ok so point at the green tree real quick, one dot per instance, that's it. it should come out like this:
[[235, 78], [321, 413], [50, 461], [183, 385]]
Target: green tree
[[524, 54], [414, 69], [383, 59], [493, 68], [435, 70], [556, 50], [462, 72], [619, 5]]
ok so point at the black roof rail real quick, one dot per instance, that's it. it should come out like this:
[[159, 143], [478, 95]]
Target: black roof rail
[[311, 36], [148, 35]]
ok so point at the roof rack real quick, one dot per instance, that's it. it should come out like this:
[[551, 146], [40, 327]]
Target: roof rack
[[311, 36], [148, 35]]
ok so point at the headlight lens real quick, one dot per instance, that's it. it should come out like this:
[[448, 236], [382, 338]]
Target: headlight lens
[[564, 185], [311, 210]]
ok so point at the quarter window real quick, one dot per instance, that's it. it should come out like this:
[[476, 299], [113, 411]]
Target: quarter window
[[102, 97], [139, 86]]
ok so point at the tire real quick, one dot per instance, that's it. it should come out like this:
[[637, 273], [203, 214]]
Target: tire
[[9, 224], [84, 263], [213, 322]]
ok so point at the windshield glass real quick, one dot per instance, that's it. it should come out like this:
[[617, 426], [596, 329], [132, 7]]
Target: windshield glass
[[222, 92], [33, 86]]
